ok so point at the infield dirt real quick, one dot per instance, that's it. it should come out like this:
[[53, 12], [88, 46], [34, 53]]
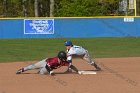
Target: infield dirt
[[118, 75]]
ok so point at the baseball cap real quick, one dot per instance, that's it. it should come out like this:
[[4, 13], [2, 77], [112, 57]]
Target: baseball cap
[[68, 43]]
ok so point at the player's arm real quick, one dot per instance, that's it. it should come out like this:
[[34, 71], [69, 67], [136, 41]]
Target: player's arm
[[70, 67], [69, 55], [74, 68], [50, 70], [69, 60]]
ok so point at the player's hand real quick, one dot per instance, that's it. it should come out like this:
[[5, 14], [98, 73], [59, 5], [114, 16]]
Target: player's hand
[[80, 72], [52, 73]]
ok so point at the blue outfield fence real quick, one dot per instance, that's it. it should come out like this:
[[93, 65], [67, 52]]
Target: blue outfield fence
[[69, 27]]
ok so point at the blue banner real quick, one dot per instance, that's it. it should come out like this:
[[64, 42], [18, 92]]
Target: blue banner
[[38, 26], [70, 27]]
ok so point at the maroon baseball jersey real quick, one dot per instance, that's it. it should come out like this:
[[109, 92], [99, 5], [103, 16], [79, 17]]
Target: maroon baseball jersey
[[54, 63]]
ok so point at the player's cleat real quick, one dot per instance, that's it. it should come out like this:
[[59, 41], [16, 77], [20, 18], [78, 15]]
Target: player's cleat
[[20, 71], [97, 67]]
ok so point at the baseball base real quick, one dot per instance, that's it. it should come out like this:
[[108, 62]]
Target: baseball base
[[87, 72]]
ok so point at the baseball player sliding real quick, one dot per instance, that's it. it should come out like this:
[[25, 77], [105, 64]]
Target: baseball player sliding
[[47, 65], [74, 50]]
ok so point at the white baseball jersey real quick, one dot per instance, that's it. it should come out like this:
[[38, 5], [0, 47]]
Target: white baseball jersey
[[75, 50]]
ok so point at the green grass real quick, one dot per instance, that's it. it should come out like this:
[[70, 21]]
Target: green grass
[[36, 49]]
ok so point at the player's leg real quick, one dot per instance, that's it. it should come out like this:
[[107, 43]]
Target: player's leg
[[90, 61], [37, 65]]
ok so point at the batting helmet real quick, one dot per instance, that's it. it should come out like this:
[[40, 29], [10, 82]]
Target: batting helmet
[[62, 55], [68, 43]]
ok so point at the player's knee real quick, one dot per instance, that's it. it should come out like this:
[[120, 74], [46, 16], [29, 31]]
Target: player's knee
[[43, 71]]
